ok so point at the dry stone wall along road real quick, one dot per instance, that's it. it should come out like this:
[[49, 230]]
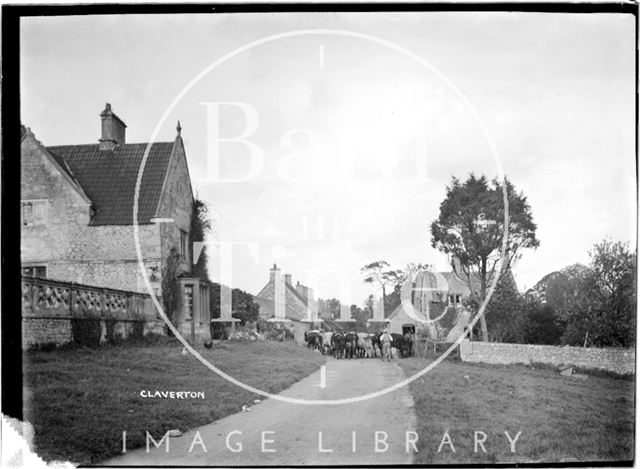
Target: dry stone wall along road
[[280, 433]]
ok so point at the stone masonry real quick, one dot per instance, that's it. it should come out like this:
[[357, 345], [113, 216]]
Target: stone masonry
[[618, 360], [67, 245]]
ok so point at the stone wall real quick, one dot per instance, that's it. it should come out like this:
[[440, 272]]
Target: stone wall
[[176, 203], [299, 328], [50, 309], [613, 359], [295, 309], [70, 248]]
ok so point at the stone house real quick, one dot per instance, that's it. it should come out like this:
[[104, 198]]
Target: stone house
[[281, 301], [77, 205], [429, 288], [432, 292]]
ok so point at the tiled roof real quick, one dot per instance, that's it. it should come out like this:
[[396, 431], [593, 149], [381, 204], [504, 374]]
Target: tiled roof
[[400, 309], [108, 177], [457, 285], [289, 287], [293, 290], [65, 167], [268, 309]]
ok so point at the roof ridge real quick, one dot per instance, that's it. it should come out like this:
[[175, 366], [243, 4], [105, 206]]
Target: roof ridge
[[98, 144]]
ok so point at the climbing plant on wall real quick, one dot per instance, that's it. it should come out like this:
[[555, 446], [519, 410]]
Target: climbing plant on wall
[[170, 287]]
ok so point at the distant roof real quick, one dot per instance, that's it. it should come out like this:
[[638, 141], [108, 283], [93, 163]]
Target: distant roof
[[290, 288], [268, 309], [458, 285], [400, 309], [108, 177], [293, 290], [431, 286]]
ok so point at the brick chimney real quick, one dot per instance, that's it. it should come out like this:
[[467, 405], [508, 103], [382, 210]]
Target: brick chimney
[[302, 290], [279, 296], [113, 129], [273, 271], [287, 279]]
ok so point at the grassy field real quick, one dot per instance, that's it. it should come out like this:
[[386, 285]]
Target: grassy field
[[561, 418], [81, 400]]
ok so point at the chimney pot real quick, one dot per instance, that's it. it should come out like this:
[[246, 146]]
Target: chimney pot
[[113, 129], [273, 271]]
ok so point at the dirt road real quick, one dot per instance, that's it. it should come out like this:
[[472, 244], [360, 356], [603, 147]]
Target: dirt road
[[280, 433]]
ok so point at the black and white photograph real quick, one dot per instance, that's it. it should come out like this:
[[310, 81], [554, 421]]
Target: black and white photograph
[[326, 235]]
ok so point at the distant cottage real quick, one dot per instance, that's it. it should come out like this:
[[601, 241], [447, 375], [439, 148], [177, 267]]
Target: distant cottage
[[432, 293], [77, 215], [280, 300]]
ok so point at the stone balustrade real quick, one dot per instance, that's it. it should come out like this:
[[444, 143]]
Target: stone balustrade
[[50, 306]]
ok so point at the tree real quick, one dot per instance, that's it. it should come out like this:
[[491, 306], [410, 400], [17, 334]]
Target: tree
[[243, 306], [201, 226], [566, 293], [592, 305], [470, 229], [562, 289], [361, 315], [393, 299], [170, 287], [328, 309], [378, 273], [541, 326], [612, 295], [504, 312]]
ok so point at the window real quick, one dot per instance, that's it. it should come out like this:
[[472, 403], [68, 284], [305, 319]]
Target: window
[[35, 271], [183, 245], [188, 302], [34, 212]]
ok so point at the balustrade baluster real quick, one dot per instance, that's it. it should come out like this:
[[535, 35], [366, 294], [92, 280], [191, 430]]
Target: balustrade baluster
[[72, 301]]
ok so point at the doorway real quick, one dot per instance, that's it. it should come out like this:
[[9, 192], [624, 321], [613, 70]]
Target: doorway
[[408, 328]]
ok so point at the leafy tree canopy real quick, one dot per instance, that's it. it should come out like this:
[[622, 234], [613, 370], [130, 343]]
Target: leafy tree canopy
[[243, 306], [591, 305], [201, 226], [470, 228]]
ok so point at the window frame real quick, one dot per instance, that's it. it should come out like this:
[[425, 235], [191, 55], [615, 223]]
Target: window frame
[[34, 267], [188, 301], [184, 236], [42, 219]]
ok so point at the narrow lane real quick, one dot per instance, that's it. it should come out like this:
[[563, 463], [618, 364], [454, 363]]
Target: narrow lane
[[280, 433]]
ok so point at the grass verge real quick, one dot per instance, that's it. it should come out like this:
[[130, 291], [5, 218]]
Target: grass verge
[[562, 419], [81, 400]]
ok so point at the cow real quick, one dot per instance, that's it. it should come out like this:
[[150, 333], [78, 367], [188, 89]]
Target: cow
[[337, 343], [402, 344], [350, 344], [313, 340], [327, 341], [376, 344], [365, 346]]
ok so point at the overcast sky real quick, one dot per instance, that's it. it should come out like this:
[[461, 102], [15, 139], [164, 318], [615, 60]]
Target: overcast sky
[[356, 135]]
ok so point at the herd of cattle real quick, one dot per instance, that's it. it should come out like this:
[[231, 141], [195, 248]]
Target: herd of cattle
[[355, 344]]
